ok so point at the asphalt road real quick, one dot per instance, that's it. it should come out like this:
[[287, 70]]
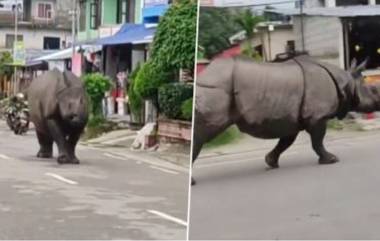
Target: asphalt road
[[236, 197], [107, 196]]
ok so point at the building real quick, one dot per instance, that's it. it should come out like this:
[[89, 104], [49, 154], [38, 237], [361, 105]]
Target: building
[[44, 25], [124, 29], [338, 31]]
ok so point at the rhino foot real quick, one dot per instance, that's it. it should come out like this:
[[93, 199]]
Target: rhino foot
[[62, 159], [271, 160], [328, 159], [42, 154]]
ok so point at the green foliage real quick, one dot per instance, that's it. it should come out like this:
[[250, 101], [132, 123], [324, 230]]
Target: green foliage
[[174, 46], [96, 85], [232, 134], [135, 101], [96, 121], [5, 58], [96, 126], [148, 79], [171, 97], [187, 109], [216, 26], [248, 21], [248, 51]]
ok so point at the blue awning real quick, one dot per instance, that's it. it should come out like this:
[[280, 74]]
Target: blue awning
[[130, 34]]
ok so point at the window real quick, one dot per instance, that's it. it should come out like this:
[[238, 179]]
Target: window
[[122, 11], [125, 11], [290, 46], [10, 38], [82, 15], [51, 43], [45, 10], [95, 14], [351, 2]]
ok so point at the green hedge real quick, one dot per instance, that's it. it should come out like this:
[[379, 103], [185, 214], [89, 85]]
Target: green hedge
[[148, 79], [96, 85], [171, 98], [187, 109]]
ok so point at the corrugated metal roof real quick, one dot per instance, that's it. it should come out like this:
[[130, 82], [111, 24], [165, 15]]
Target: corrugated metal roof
[[348, 11]]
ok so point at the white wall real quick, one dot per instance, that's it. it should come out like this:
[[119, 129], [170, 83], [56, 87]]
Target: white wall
[[322, 36], [34, 39], [278, 41]]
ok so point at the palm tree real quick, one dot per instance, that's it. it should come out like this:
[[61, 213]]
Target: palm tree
[[248, 22]]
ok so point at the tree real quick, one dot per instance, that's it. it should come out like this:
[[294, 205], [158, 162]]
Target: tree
[[5, 58], [248, 22], [216, 26], [96, 85], [173, 46]]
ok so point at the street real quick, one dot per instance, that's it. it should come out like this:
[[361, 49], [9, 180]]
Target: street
[[237, 197], [107, 196]]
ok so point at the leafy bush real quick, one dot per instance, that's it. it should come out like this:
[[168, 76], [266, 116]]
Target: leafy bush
[[148, 79], [5, 58], [174, 46], [135, 101], [96, 85], [171, 96], [187, 109]]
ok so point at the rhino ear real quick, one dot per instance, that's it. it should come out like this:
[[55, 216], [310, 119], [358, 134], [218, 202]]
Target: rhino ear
[[65, 79], [362, 66]]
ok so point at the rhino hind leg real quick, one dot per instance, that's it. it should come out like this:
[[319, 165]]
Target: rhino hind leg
[[284, 143], [46, 145], [317, 133]]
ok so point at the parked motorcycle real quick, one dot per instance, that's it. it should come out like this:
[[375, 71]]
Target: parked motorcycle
[[17, 114]]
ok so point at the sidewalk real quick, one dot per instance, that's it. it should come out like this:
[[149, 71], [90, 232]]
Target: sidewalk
[[120, 141]]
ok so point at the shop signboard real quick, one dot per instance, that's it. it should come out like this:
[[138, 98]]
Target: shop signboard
[[152, 3], [19, 54]]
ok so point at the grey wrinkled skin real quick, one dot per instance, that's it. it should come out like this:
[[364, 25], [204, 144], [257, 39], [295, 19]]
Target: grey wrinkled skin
[[278, 100], [59, 110]]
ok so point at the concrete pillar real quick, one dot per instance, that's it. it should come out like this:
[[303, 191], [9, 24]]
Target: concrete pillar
[[372, 2]]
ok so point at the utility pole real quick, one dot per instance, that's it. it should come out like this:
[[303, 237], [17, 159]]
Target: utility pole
[[302, 26], [73, 28], [15, 85]]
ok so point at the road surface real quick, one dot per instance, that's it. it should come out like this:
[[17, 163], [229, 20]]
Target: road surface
[[107, 196], [236, 197]]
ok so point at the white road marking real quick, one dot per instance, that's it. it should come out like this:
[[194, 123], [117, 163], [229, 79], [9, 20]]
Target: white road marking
[[164, 170], [114, 156], [168, 217], [4, 157], [58, 177]]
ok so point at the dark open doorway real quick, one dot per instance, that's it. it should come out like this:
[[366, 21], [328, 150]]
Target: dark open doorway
[[364, 40]]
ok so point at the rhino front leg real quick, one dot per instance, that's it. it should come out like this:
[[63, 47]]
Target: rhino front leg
[[317, 133], [60, 139], [72, 142], [46, 145], [284, 143]]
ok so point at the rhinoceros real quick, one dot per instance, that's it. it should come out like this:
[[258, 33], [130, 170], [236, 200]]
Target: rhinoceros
[[58, 108], [278, 100]]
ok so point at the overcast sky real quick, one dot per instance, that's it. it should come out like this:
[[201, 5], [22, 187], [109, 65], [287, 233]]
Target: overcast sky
[[282, 5]]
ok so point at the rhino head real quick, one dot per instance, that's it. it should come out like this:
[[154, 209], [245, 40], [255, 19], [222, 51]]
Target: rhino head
[[72, 101], [366, 95]]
